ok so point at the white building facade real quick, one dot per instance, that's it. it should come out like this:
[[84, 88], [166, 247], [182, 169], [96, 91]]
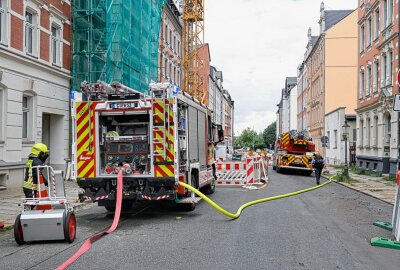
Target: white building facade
[[335, 150], [34, 85], [293, 108]]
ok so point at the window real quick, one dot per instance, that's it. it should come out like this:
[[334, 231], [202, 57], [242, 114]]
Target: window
[[361, 130], [166, 33], [174, 75], [55, 45], [390, 11], [170, 38], [389, 68], [384, 71], [30, 32], [388, 125], [27, 105], [376, 131], [362, 84], [170, 71], [369, 33], [376, 77], [362, 38], [328, 134], [335, 139], [377, 23], [174, 43], [3, 21], [368, 132], [166, 67], [179, 47], [385, 14], [368, 84]]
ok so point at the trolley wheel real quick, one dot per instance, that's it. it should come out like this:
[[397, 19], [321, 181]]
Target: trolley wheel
[[18, 233], [70, 227]]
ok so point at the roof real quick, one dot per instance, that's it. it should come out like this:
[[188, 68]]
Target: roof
[[314, 40], [332, 17]]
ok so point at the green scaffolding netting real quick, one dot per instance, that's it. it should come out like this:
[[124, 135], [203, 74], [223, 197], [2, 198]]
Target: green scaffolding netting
[[116, 41]]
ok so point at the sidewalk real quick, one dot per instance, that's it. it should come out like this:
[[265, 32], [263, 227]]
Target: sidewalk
[[374, 186], [11, 197]]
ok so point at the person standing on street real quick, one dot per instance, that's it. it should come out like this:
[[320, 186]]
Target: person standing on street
[[37, 157], [318, 164]]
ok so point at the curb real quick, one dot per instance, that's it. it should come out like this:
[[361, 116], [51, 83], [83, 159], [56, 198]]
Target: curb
[[352, 188]]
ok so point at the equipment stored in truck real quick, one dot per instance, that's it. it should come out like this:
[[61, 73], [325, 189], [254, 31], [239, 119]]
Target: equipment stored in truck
[[156, 140]]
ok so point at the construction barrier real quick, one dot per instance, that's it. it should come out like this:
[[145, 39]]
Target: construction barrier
[[250, 172]]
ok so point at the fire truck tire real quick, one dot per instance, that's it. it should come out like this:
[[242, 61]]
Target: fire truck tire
[[307, 173], [109, 208], [278, 169], [209, 189], [70, 227], [188, 206], [18, 233], [274, 168], [126, 205]]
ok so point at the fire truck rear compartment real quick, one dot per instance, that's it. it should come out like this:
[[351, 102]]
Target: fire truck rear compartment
[[124, 143]]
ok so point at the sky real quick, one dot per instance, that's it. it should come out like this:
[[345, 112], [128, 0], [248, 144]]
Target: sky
[[257, 44]]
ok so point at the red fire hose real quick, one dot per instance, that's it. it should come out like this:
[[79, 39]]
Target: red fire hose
[[88, 243]]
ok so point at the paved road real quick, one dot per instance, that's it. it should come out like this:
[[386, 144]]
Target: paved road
[[325, 229]]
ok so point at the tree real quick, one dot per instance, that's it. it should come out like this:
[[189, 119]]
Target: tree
[[250, 138], [269, 134]]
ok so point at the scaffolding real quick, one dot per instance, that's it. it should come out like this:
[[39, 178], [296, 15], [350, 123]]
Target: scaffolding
[[116, 41]]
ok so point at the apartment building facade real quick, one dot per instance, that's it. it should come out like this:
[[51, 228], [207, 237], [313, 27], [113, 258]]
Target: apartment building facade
[[35, 64], [228, 105], [216, 96], [170, 45], [331, 65], [378, 63]]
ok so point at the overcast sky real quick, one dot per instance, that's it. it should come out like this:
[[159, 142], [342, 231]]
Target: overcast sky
[[257, 44]]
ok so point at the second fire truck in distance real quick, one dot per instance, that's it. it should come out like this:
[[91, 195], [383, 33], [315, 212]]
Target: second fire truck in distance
[[156, 140], [293, 151]]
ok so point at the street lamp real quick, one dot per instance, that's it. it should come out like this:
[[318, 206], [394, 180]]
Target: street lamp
[[345, 134]]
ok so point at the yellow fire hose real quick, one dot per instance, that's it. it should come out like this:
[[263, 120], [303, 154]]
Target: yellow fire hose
[[241, 208]]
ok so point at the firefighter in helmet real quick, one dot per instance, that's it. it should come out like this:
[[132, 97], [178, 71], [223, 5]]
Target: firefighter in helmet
[[37, 157]]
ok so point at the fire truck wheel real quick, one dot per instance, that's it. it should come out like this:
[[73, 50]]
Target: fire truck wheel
[[209, 189], [307, 173], [188, 206], [109, 208], [278, 170], [70, 227], [18, 233], [274, 168]]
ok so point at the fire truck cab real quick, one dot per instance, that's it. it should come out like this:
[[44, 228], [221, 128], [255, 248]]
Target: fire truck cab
[[156, 140]]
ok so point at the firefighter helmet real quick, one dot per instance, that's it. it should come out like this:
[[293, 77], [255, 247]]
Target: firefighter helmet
[[39, 147]]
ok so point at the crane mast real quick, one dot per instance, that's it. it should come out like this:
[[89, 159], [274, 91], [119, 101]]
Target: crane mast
[[193, 40]]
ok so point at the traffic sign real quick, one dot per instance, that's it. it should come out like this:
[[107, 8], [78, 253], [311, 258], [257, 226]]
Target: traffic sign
[[398, 78], [325, 139], [396, 103]]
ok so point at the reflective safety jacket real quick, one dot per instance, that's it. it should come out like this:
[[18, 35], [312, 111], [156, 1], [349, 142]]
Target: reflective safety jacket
[[31, 181]]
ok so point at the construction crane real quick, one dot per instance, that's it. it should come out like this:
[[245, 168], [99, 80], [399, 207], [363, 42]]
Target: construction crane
[[193, 40]]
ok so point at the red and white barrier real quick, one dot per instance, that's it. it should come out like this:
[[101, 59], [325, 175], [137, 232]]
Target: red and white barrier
[[242, 173]]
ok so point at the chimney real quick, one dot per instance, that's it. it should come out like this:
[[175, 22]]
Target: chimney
[[309, 35], [322, 18]]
